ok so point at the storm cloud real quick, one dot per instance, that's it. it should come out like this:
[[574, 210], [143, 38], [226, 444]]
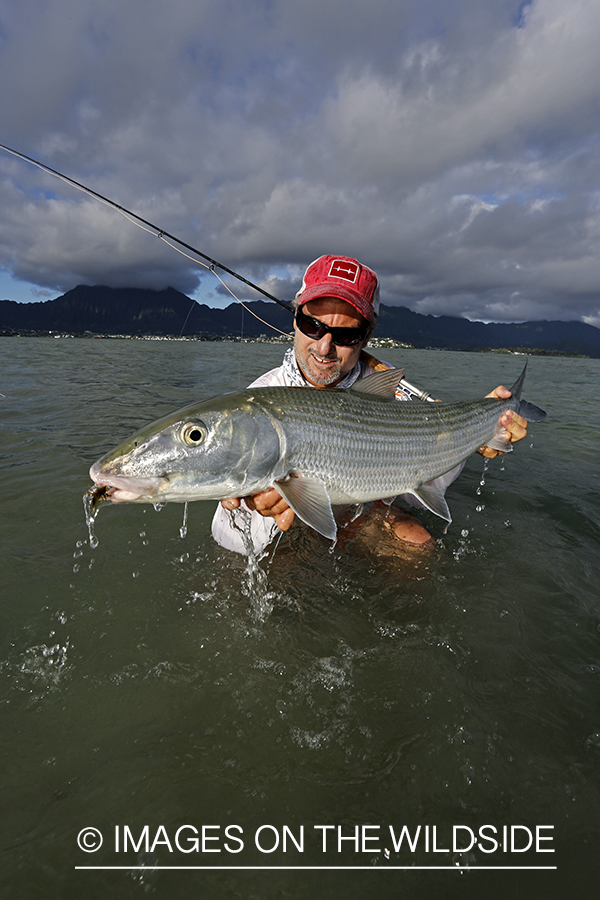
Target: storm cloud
[[452, 146]]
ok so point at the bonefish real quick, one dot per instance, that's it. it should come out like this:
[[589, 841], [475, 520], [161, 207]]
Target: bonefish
[[318, 448]]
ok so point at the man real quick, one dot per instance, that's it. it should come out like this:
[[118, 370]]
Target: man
[[336, 313]]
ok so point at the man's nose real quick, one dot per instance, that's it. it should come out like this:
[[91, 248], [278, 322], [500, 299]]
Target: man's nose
[[325, 346]]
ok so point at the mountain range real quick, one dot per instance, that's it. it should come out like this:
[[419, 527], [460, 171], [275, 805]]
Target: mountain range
[[136, 312]]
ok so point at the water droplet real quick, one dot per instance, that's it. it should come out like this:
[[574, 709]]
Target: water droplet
[[183, 529], [593, 741], [480, 508], [464, 532]]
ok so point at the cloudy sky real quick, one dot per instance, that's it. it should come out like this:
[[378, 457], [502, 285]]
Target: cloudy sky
[[452, 145]]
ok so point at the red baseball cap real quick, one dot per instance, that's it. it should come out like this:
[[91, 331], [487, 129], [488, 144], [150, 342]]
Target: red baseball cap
[[346, 279]]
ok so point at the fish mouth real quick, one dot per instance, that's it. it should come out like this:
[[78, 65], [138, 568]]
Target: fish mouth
[[127, 488]]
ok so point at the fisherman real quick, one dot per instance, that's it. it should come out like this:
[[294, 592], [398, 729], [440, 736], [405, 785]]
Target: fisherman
[[336, 313]]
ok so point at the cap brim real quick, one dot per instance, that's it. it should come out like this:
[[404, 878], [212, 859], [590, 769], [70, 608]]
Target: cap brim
[[339, 292]]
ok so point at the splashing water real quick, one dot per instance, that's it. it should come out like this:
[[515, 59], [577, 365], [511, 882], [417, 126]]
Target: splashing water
[[91, 507], [183, 529], [262, 601]]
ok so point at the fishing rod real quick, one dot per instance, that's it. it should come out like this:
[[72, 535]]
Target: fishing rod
[[163, 235], [160, 232]]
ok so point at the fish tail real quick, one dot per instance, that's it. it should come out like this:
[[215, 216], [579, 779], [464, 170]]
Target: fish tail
[[518, 385], [529, 411]]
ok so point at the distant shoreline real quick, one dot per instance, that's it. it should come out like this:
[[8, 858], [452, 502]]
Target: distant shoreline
[[374, 343], [99, 311]]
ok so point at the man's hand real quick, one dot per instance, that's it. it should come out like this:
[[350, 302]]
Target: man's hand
[[267, 503], [514, 424]]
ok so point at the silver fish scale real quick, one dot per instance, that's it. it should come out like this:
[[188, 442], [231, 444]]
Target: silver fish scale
[[363, 447]]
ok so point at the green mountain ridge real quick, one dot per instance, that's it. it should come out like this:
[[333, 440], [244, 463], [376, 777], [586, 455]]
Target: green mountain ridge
[[137, 311]]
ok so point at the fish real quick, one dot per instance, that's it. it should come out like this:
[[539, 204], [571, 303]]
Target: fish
[[318, 447]]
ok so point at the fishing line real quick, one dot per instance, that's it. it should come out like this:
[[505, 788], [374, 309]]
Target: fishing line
[[218, 277], [157, 232], [240, 352]]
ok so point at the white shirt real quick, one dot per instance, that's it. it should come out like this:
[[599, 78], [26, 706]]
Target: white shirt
[[264, 528]]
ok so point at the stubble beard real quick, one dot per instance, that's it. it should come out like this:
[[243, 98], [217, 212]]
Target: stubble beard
[[311, 370]]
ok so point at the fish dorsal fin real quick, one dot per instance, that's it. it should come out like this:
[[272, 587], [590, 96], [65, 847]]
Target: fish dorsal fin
[[433, 499], [309, 499], [381, 384]]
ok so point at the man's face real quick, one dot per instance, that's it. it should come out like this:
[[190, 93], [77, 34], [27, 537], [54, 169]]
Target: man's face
[[323, 363]]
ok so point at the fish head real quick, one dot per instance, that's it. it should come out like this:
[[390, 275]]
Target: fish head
[[223, 447]]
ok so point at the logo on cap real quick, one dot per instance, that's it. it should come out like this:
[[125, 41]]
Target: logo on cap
[[341, 268]]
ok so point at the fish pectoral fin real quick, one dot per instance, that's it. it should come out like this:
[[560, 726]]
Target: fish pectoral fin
[[433, 499], [310, 501], [382, 385]]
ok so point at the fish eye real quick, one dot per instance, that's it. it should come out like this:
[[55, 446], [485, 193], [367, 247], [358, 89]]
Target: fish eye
[[193, 433]]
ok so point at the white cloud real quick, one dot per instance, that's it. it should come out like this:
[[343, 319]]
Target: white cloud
[[452, 146]]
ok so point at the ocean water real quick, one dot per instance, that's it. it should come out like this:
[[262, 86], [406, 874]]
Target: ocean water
[[274, 729]]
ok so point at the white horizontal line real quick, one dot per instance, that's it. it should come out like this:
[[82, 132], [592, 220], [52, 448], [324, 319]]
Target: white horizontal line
[[323, 868]]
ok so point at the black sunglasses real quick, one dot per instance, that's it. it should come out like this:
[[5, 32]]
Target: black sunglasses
[[343, 337]]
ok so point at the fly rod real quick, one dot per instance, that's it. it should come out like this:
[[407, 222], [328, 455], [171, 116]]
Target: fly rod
[[162, 235]]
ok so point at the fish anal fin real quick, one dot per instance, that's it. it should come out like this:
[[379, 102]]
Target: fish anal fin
[[309, 499], [433, 499]]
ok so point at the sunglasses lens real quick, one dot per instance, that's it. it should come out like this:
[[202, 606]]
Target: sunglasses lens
[[343, 337], [310, 327], [347, 340]]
